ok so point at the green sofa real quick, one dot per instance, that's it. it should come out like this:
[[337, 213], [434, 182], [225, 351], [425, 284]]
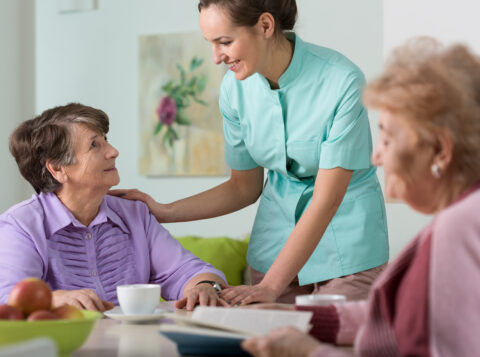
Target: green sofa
[[225, 254]]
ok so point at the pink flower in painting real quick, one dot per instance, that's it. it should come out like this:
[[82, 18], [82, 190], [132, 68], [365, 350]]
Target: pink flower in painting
[[167, 110]]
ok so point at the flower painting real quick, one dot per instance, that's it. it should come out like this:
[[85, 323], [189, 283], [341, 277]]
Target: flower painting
[[180, 123]]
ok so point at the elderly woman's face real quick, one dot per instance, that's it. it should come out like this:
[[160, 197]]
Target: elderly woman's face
[[406, 162], [95, 161]]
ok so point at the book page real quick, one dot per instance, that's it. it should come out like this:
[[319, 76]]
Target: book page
[[254, 322]]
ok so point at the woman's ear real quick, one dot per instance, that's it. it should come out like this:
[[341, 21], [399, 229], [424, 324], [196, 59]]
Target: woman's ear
[[266, 24], [57, 171], [443, 150]]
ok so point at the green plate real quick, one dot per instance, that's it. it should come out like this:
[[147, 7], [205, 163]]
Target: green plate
[[69, 334]]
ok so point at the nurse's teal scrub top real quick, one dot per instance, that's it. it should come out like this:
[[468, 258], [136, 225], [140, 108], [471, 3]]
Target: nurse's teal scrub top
[[315, 120]]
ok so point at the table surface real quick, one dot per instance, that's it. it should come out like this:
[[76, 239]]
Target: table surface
[[115, 338]]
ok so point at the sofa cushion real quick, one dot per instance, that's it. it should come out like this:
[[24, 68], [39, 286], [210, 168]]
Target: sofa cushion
[[225, 254]]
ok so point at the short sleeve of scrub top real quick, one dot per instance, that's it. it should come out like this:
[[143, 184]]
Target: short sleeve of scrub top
[[348, 142], [236, 153]]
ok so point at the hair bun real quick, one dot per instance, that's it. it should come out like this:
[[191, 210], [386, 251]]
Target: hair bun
[[286, 13], [247, 12]]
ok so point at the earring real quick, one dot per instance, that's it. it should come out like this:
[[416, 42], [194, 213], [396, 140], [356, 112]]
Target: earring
[[436, 171]]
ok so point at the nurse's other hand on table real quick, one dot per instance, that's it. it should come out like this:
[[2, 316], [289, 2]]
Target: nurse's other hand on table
[[247, 294], [83, 299], [282, 342], [202, 294], [136, 195]]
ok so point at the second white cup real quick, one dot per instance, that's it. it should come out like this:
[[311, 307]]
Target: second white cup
[[319, 299], [138, 299]]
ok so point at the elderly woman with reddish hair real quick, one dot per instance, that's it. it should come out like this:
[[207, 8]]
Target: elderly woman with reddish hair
[[74, 237], [426, 303]]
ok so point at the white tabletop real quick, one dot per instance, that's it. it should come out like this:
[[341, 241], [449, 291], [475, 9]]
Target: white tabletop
[[115, 338], [111, 338]]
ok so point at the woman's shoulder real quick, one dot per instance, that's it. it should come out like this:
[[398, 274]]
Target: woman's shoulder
[[458, 224], [126, 208], [28, 218], [465, 209], [24, 211], [330, 60]]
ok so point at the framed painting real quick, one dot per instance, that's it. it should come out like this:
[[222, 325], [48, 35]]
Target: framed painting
[[181, 132]]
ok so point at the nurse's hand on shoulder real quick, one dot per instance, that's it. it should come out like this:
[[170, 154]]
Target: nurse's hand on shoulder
[[202, 294], [246, 294], [282, 342], [155, 208]]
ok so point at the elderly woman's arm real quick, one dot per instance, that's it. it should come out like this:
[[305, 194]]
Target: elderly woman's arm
[[290, 342], [82, 299], [177, 270], [454, 307], [337, 324], [19, 256], [22, 256], [203, 293]]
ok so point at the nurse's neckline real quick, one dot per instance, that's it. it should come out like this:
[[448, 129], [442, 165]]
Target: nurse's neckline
[[274, 85], [293, 68]]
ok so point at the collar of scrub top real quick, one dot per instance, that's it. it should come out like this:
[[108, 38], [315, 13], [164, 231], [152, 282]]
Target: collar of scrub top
[[294, 68]]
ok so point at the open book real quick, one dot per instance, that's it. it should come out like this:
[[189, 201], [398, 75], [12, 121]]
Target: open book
[[219, 331]]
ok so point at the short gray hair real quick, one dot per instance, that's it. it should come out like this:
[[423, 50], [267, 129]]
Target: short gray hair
[[50, 136]]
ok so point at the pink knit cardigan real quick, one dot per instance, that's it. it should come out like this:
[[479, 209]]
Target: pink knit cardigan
[[427, 301]]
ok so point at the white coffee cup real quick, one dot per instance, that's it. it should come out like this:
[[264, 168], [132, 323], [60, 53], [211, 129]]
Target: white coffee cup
[[138, 299], [319, 299]]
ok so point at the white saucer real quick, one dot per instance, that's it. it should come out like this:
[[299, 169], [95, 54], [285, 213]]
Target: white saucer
[[117, 314]]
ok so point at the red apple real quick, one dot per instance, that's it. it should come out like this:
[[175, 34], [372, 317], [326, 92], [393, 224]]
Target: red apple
[[68, 312], [42, 315], [8, 312], [30, 295]]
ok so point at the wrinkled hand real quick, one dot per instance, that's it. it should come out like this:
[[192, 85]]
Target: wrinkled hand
[[136, 195], [282, 342], [246, 294], [82, 299], [203, 294]]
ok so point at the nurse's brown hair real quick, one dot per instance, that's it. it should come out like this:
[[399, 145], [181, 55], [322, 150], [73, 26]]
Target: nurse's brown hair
[[247, 12], [435, 88]]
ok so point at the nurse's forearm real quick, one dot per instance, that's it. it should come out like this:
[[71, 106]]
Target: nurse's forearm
[[330, 188], [299, 247], [242, 189]]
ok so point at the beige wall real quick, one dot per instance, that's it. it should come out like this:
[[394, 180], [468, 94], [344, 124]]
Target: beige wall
[[448, 21], [92, 57], [16, 88]]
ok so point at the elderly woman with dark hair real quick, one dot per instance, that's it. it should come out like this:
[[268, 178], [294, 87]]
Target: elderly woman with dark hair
[[426, 303], [74, 237]]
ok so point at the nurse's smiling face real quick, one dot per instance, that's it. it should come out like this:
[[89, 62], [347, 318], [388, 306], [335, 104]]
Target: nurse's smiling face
[[406, 161], [242, 48]]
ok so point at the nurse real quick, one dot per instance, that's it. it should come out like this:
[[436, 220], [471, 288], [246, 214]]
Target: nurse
[[295, 109]]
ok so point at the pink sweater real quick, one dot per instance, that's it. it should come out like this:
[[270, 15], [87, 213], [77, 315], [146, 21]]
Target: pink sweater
[[426, 303]]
